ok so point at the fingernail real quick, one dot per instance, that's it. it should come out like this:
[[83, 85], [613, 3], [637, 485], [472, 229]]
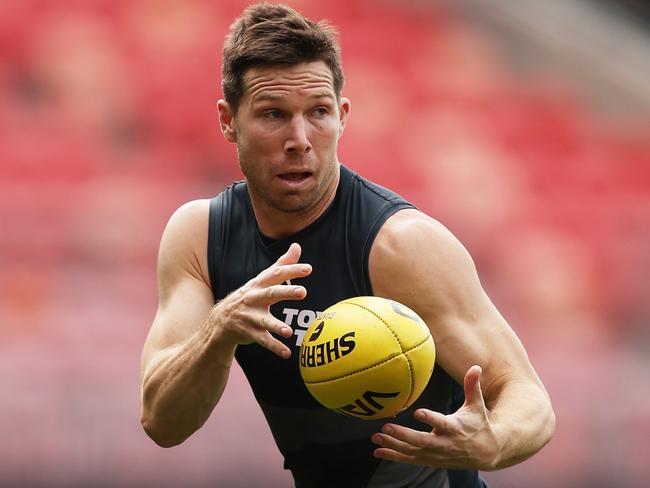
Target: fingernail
[[304, 268], [287, 330], [298, 291], [387, 429]]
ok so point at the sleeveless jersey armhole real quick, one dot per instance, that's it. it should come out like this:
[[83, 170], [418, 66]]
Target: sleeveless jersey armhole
[[382, 217], [215, 234]]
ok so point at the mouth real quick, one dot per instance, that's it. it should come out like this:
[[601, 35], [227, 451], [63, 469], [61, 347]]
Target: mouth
[[295, 177]]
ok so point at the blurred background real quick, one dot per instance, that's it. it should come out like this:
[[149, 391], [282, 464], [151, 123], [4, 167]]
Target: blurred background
[[522, 126]]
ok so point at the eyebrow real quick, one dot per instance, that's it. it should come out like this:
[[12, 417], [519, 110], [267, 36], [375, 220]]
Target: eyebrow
[[322, 94]]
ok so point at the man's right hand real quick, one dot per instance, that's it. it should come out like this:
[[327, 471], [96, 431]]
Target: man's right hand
[[244, 316]]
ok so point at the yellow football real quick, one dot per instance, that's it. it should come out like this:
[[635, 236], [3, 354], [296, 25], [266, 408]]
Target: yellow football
[[367, 357]]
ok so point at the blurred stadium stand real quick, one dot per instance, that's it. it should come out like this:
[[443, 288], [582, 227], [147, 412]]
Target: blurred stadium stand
[[523, 126]]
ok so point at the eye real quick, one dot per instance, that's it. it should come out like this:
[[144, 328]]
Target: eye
[[272, 114], [321, 111]]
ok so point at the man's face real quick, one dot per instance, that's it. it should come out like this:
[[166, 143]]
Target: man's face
[[286, 130]]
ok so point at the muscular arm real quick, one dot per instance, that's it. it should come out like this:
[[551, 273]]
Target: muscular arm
[[507, 415], [189, 350]]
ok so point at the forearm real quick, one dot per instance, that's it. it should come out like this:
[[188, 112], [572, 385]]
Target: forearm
[[180, 390], [523, 421]]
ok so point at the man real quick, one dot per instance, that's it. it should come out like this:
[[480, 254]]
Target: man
[[299, 234]]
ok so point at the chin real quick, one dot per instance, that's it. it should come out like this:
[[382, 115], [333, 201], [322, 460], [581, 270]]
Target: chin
[[292, 205]]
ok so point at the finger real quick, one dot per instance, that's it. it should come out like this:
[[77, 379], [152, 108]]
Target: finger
[[276, 293], [269, 323], [266, 340], [390, 455], [472, 386], [388, 442], [440, 423], [402, 438], [291, 256], [279, 274]]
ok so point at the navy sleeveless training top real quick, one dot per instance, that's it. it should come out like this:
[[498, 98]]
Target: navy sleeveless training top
[[320, 447]]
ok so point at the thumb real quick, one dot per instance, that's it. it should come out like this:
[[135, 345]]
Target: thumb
[[291, 256], [472, 386]]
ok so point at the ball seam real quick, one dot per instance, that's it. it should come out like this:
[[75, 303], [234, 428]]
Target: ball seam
[[401, 346]]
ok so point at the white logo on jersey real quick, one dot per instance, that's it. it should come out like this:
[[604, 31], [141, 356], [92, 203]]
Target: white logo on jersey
[[299, 321]]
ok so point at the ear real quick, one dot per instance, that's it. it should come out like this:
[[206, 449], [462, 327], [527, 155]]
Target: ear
[[227, 121], [344, 111]]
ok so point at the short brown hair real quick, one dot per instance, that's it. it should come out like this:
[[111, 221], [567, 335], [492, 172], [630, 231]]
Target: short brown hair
[[276, 35]]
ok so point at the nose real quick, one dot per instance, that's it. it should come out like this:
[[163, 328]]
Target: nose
[[297, 140]]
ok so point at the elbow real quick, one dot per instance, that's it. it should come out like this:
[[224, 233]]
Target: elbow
[[158, 426], [551, 424], [159, 434]]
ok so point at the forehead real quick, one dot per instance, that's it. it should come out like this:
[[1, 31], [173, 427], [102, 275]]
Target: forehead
[[314, 78]]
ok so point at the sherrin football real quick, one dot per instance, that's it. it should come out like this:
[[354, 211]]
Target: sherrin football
[[367, 357]]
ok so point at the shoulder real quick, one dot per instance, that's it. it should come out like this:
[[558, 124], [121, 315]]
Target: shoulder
[[190, 213], [188, 223], [184, 241], [410, 234], [412, 252]]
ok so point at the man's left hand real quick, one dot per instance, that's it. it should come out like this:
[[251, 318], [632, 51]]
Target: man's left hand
[[462, 440]]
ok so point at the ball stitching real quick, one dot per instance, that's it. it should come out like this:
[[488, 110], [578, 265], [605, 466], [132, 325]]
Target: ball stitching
[[408, 361]]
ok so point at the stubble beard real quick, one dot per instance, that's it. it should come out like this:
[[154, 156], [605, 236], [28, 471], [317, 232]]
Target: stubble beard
[[291, 203]]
